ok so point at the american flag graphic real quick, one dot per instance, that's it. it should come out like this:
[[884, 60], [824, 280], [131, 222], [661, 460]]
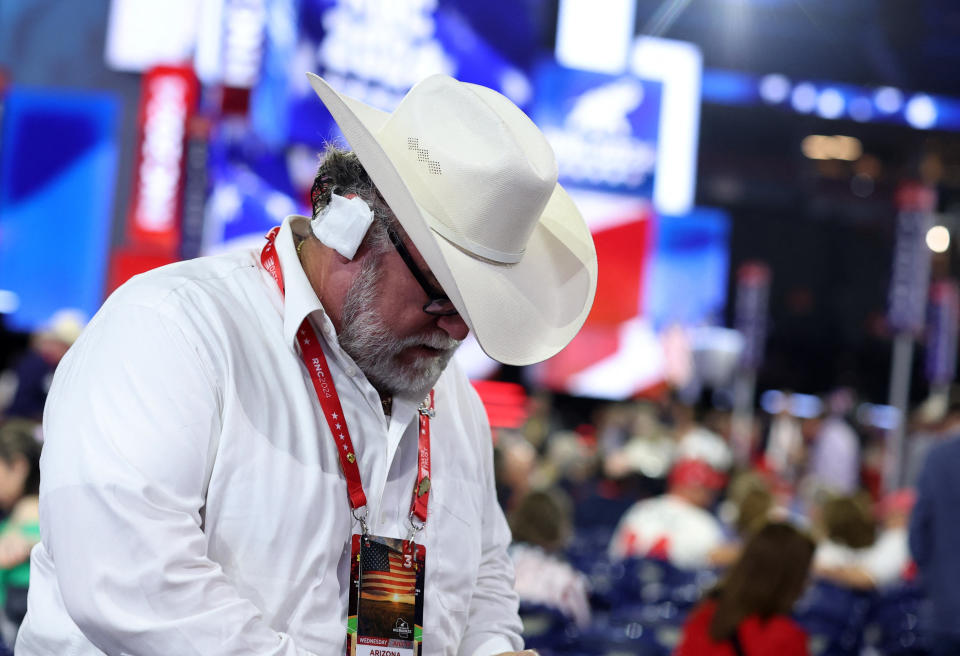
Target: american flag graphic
[[383, 574]]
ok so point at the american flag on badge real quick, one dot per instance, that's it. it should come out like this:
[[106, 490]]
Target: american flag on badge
[[383, 576]]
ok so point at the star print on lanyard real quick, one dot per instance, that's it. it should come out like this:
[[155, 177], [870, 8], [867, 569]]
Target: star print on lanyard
[[316, 363]]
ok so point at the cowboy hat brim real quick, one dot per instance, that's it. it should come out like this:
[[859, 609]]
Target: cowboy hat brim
[[520, 313]]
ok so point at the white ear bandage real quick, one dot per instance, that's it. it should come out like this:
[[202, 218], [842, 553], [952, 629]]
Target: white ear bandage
[[342, 224]]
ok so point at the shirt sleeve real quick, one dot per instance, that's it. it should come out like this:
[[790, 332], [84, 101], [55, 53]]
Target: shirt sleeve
[[131, 431], [889, 556], [830, 554], [689, 545], [493, 623]]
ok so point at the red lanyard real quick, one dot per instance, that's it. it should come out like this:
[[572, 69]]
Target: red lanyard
[[316, 363]]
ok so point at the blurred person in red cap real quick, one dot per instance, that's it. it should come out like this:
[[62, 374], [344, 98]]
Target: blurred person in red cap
[[749, 611], [235, 439], [676, 526]]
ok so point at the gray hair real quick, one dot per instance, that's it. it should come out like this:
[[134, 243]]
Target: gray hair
[[341, 172]]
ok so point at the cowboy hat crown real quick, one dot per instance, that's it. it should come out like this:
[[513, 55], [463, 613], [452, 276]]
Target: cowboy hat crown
[[473, 182], [483, 172]]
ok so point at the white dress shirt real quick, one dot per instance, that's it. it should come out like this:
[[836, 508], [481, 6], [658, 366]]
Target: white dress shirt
[[667, 527], [192, 501], [888, 559], [545, 579]]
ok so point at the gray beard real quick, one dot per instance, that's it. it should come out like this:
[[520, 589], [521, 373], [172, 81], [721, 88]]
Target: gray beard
[[367, 338]]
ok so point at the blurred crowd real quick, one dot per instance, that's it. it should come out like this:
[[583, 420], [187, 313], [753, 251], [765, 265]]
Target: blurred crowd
[[637, 530], [24, 384]]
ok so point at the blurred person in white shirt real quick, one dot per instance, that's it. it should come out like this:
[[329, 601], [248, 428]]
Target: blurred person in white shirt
[[677, 526], [889, 562], [834, 461], [784, 452], [848, 530], [541, 525], [869, 563]]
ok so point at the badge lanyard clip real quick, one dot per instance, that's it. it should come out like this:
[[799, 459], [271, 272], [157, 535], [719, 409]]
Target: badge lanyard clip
[[421, 490], [362, 519], [415, 527]]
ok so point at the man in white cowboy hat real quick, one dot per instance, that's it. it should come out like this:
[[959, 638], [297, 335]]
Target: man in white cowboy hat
[[232, 437]]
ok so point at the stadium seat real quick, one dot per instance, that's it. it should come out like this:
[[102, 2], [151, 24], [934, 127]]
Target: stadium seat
[[834, 617], [895, 626], [546, 628]]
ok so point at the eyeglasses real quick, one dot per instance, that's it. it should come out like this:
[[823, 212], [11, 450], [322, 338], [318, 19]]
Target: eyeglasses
[[437, 304]]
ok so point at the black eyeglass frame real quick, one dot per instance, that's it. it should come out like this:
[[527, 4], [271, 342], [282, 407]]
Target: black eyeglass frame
[[442, 305]]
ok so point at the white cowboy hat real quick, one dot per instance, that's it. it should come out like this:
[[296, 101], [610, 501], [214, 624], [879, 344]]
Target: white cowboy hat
[[473, 182]]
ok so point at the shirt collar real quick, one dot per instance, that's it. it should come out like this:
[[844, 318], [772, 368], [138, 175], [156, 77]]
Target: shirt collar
[[300, 299]]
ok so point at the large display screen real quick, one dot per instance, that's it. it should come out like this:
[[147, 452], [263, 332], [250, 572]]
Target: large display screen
[[57, 181], [660, 278], [623, 126], [625, 143]]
